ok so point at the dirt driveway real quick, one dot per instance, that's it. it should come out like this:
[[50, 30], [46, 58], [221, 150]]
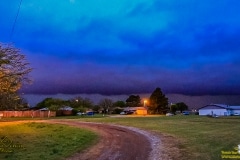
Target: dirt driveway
[[119, 143]]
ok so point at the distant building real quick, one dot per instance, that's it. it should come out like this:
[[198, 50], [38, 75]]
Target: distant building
[[65, 111], [136, 110], [219, 110]]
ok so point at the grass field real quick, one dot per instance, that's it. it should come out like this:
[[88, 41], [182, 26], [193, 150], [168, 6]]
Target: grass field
[[200, 138], [28, 141], [197, 137]]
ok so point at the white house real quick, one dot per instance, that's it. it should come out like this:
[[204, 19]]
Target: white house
[[236, 110], [219, 110]]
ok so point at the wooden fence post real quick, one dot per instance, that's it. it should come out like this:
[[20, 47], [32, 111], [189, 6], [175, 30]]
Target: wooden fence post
[[32, 114]]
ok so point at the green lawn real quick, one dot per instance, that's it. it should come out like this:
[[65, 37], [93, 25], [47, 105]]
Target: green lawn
[[28, 141], [198, 137]]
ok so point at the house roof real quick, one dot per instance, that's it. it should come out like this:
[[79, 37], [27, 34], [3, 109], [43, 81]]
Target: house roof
[[235, 107], [67, 108], [221, 106], [44, 109], [134, 108]]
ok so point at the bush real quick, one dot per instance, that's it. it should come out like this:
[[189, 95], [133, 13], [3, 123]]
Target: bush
[[74, 112], [117, 111]]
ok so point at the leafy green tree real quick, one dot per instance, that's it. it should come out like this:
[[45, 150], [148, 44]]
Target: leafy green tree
[[119, 104], [87, 103], [75, 102], [173, 108], [181, 106], [51, 103], [14, 70], [53, 107], [117, 110], [133, 101], [158, 103], [96, 108], [17, 104], [80, 103]]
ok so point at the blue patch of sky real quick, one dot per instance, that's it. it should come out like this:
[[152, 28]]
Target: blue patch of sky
[[166, 37]]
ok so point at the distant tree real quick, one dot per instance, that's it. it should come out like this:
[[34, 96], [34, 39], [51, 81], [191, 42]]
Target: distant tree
[[173, 108], [119, 104], [87, 103], [133, 101], [53, 107], [96, 108], [79, 102], [181, 106], [51, 103], [106, 104], [7, 103], [117, 110], [14, 70], [158, 103]]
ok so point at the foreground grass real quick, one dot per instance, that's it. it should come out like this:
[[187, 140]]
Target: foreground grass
[[12, 119], [200, 138], [197, 137], [28, 141]]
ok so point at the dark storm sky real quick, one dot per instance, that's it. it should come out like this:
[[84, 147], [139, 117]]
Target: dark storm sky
[[121, 46]]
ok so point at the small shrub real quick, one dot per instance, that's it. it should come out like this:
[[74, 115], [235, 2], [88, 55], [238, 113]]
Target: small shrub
[[74, 112], [117, 111], [55, 151]]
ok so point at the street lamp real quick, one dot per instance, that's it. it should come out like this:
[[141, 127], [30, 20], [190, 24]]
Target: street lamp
[[144, 103]]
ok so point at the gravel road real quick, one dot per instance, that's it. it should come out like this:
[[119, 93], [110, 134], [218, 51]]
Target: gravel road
[[118, 143]]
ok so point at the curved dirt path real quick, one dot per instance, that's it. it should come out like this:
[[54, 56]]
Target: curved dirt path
[[118, 143]]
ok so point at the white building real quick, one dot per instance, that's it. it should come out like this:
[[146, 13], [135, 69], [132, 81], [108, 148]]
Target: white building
[[136, 110], [219, 110], [236, 110]]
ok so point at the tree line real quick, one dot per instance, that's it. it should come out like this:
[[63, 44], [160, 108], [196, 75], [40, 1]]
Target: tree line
[[106, 104], [157, 104]]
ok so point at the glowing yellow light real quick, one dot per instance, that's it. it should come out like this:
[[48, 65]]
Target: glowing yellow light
[[144, 102]]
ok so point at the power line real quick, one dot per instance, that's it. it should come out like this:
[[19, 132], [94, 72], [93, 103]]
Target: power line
[[14, 23]]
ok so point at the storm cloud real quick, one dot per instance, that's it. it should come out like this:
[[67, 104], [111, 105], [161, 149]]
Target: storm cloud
[[123, 47]]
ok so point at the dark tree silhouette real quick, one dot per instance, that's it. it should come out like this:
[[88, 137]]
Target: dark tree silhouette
[[106, 104], [158, 102], [133, 101], [181, 106]]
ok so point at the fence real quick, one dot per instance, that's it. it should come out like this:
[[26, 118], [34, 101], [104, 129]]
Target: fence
[[32, 114]]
